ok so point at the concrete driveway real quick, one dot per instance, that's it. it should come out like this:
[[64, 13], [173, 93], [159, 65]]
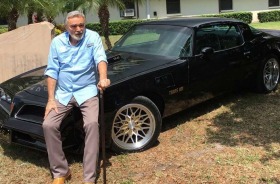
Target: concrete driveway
[[272, 32]]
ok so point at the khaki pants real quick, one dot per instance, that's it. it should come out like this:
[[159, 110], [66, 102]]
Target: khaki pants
[[51, 127]]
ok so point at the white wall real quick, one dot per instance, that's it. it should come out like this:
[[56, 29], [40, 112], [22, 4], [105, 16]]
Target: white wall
[[188, 8], [253, 5], [194, 7]]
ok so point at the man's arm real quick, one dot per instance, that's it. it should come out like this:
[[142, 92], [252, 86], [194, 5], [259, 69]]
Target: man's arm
[[51, 84], [103, 80]]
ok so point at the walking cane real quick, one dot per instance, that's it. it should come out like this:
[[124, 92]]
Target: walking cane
[[103, 134]]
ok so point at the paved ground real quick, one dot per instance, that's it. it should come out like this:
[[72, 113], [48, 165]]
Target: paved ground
[[273, 32]]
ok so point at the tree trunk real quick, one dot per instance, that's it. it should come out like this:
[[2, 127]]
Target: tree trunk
[[39, 16], [12, 19], [104, 15], [30, 17]]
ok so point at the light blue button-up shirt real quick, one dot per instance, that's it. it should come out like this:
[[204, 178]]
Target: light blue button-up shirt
[[75, 67]]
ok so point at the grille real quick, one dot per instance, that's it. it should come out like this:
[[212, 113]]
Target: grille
[[31, 113]]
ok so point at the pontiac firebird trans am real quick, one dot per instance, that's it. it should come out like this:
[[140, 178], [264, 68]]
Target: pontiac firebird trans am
[[157, 68]]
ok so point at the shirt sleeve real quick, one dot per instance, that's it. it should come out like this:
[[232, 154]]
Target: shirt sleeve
[[53, 64], [99, 52]]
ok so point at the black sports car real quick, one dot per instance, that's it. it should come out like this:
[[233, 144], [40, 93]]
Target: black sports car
[[157, 68]]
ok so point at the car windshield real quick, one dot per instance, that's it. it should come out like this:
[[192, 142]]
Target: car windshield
[[164, 40]]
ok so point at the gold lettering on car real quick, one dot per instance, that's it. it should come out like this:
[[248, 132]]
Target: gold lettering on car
[[176, 90]]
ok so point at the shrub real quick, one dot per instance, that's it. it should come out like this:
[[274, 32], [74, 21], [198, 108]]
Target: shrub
[[57, 31], [3, 29], [270, 16], [60, 27], [115, 28], [246, 17]]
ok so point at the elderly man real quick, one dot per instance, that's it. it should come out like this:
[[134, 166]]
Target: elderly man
[[77, 69]]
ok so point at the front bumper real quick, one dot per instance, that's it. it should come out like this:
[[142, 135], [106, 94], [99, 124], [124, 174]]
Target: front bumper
[[26, 134], [21, 132], [4, 113]]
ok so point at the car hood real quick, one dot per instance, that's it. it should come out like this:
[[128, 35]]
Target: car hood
[[23, 81], [121, 66], [124, 65]]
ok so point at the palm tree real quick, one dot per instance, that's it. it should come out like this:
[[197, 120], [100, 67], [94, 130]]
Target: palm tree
[[12, 9], [52, 8], [104, 15], [103, 12]]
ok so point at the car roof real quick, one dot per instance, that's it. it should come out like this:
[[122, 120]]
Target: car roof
[[190, 21]]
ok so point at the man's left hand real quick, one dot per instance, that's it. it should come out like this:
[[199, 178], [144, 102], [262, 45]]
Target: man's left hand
[[103, 84]]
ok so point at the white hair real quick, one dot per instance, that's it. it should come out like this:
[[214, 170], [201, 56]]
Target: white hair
[[71, 14]]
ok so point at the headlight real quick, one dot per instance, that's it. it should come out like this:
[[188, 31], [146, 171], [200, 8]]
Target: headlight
[[4, 96]]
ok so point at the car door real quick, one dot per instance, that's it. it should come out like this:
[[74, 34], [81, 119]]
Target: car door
[[218, 57]]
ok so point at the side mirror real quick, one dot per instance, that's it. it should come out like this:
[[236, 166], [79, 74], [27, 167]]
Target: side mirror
[[207, 52]]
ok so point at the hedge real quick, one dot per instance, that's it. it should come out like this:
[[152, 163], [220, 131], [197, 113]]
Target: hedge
[[121, 27], [115, 28], [246, 17], [270, 16]]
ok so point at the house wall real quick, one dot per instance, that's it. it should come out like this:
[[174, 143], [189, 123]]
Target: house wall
[[188, 8], [194, 7], [253, 5]]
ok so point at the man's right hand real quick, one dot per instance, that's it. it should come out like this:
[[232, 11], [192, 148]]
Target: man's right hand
[[51, 105]]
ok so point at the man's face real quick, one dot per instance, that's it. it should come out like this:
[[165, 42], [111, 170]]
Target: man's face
[[75, 26]]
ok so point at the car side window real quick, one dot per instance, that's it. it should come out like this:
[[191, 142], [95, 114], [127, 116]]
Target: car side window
[[247, 32], [218, 37], [206, 37], [230, 36]]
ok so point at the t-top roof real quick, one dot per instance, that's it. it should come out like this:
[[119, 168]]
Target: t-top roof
[[190, 21]]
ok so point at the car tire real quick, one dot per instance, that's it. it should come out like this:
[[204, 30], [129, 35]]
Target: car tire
[[136, 126], [268, 74]]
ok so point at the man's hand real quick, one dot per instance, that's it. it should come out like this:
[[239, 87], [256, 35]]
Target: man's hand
[[103, 84], [51, 105]]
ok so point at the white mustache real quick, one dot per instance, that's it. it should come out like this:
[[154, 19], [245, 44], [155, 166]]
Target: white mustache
[[78, 32]]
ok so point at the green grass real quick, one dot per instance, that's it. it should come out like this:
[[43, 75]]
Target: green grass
[[113, 39], [266, 25]]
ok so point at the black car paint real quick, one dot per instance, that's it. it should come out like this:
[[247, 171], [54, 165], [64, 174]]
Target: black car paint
[[124, 66], [173, 84]]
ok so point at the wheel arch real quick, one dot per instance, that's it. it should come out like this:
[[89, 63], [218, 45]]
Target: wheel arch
[[275, 52], [156, 99]]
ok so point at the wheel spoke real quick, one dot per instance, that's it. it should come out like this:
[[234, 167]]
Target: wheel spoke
[[133, 126], [271, 74]]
